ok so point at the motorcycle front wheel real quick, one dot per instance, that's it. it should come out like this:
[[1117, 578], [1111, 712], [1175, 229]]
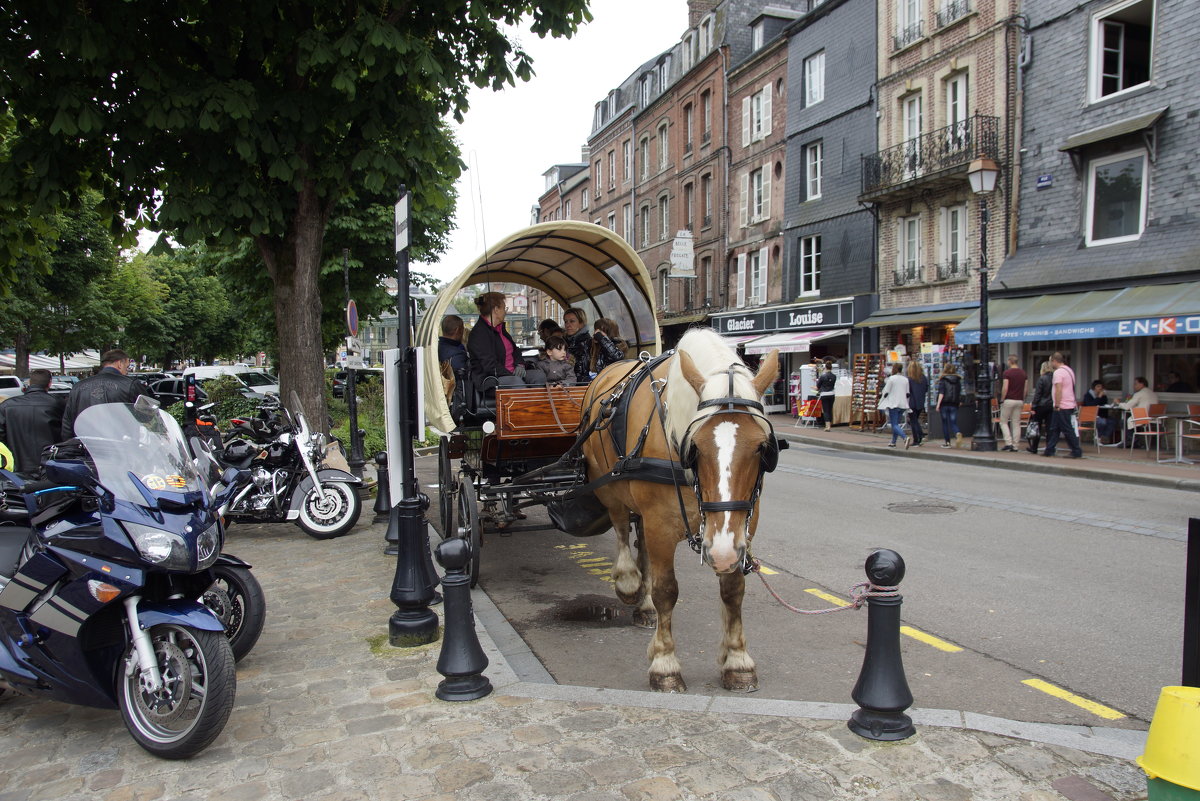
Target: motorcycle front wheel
[[330, 510], [183, 716], [237, 599]]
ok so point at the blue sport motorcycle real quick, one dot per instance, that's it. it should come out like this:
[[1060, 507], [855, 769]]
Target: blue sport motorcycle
[[98, 589]]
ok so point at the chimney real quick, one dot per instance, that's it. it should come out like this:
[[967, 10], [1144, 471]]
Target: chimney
[[698, 8], [585, 154]]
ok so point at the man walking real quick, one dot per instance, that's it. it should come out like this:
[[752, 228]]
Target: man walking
[[111, 385], [1061, 421], [30, 422], [1012, 394]]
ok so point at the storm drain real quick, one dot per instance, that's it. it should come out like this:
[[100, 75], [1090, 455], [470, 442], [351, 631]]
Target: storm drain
[[922, 508]]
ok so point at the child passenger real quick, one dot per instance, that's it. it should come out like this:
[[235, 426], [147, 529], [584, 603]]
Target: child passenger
[[555, 365]]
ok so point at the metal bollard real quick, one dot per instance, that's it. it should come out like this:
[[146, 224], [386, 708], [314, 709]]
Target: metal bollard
[[882, 692], [461, 660], [413, 623], [383, 493], [434, 578]]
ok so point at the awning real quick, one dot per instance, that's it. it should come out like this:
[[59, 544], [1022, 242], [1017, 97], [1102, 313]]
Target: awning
[[795, 342], [918, 315], [738, 339], [1113, 130], [1154, 310]]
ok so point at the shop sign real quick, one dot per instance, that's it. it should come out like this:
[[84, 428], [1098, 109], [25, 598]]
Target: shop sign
[[788, 318], [683, 256], [1105, 329]]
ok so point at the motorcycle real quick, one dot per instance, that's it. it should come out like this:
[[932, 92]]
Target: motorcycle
[[286, 479], [96, 591]]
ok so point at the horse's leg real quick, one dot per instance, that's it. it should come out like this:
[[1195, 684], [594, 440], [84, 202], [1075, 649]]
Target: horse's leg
[[626, 577], [666, 675], [644, 615], [737, 668]]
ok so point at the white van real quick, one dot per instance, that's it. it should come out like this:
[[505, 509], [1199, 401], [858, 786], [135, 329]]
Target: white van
[[255, 382]]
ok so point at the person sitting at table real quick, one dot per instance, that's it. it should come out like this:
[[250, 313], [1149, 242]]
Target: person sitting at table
[[1143, 398], [1096, 397]]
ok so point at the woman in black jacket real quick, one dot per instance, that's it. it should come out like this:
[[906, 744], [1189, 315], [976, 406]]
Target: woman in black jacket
[[579, 342], [949, 396], [1042, 406], [494, 354], [607, 345]]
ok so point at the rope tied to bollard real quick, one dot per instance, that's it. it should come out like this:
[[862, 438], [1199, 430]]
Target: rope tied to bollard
[[859, 594]]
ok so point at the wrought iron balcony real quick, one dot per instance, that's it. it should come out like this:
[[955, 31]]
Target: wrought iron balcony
[[954, 270], [936, 157], [952, 11], [907, 275], [906, 36]]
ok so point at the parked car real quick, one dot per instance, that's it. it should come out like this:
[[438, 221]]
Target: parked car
[[11, 386], [149, 378], [171, 390], [259, 381]]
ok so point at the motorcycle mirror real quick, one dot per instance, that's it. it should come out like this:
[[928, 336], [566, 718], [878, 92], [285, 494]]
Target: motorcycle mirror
[[146, 404]]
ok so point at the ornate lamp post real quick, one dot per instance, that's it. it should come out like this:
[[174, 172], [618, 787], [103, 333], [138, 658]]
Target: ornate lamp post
[[983, 173]]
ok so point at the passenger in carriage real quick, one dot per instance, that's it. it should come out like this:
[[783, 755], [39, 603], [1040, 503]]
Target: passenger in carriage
[[607, 345], [555, 364], [579, 343], [495, 358], [450, 346]]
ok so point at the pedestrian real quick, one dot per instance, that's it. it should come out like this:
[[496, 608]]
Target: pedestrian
[[825, 387], [607, 345], [894, 399], [1062, 422], [1012, 403], [949, 396], [112, 384], [31, 421], [1041, 407], [450, 343], [556, 365], [918, 389], [579, 343], [494, 354], [1096, 396]]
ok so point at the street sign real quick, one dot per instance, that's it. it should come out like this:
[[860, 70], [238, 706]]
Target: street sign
[[683, 256], [402, 223], [354, 354], [352, 318]]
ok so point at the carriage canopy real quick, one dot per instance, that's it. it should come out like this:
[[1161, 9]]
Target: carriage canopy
[[575, 263]]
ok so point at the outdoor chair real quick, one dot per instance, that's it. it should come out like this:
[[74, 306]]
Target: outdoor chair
[[1087, 422], [808, 412], [1148, 427], [1157, 409], [1191, 427]]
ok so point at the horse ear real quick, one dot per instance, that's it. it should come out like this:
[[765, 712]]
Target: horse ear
[[767, 373], [690, 373]]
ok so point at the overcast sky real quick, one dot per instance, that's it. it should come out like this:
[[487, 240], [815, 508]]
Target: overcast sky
[[510, 138]]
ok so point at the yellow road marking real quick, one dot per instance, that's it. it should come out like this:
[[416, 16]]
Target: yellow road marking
[[929, 639], [768, 571], [593, 561], [824, 596], [1100, 710]]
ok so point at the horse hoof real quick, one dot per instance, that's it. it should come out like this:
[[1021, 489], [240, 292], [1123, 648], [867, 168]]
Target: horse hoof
[[628, 598], [668, 684], [739, 681], [644, 620]]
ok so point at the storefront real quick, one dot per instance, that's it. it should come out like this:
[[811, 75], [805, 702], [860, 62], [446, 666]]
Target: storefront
[[802, 333]]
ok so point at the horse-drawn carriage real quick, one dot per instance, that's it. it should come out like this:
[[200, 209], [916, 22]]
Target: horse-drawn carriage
[[669, 446]]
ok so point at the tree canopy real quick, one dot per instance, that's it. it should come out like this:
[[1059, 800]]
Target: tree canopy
[[222, 119]]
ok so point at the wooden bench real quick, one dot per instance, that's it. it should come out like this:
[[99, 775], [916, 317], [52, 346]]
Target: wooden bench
[[535, 412]]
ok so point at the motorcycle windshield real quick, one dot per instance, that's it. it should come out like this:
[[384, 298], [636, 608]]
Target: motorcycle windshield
[[134, 445]]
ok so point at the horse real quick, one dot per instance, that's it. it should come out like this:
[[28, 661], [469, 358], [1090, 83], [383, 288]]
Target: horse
[[699, 413]]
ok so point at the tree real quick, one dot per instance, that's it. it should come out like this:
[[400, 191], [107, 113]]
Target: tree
[[252, 118]]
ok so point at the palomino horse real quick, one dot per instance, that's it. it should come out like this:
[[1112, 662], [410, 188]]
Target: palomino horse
[[713, 425]]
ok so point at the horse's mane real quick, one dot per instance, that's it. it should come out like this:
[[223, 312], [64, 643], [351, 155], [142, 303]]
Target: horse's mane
[[712, 355]]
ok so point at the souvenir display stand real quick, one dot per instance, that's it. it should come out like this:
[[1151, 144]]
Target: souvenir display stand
[[866, 383]]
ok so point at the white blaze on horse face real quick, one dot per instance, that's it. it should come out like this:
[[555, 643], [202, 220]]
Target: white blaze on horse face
[[722, 551]]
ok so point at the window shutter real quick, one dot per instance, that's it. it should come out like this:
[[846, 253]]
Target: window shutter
[[766, 183], [763, 266], [745, 198], [745, 121], [766, 110], [740, 277]]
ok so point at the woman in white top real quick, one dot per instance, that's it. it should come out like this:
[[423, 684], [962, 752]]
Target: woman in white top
[[895, 400]]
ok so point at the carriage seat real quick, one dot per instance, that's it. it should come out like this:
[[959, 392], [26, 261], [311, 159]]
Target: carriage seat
[[472, 405]]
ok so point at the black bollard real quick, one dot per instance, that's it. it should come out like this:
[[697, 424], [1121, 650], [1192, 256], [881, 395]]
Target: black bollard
[[413, 623], [882, 692], [383, 494], [462, 660], [434, 578]]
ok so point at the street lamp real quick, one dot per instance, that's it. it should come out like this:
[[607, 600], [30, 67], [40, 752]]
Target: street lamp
[[982, 174]]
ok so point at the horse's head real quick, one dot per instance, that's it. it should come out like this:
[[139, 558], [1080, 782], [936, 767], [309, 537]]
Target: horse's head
[[729, 445]]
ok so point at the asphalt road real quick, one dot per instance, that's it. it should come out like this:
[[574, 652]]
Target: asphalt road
[[1013, 580]]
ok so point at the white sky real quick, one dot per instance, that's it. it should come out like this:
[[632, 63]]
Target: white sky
[[510, 138]]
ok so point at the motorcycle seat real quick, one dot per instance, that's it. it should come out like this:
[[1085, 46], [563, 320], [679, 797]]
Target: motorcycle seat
[[12, 540]]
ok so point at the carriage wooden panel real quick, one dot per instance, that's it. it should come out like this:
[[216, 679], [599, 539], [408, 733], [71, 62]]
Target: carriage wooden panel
[[536, 412]]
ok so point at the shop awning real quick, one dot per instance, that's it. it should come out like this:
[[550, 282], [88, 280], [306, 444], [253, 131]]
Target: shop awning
[[1155, 310], [738, 339], [919, 315], [795, 342]]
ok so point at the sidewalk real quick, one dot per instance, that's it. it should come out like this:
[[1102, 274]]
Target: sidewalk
[[326, 709], [1110, 464]]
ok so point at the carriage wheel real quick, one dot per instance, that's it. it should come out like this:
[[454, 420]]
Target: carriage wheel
[[447, 487], [469, 527]]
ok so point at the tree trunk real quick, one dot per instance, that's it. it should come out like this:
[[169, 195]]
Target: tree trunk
[[294, 265], [21, 356]]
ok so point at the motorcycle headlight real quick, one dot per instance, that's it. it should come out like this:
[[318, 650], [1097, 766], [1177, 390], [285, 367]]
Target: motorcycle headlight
[[208, 546], [163, 548]]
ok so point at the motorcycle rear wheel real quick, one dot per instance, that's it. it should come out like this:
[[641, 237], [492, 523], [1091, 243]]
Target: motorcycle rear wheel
[[237, 599], [199, 685], [330, 510]]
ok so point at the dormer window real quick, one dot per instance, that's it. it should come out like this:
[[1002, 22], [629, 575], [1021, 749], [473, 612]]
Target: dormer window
[[706, 35], [757, 35]]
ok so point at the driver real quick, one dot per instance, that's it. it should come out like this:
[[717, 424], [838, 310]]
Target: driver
[[111, 385]]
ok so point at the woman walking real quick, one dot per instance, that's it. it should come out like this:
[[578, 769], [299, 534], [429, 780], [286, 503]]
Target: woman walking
[[949, 389], [826, 384], [918, 388], [1041, 407], [895, 400]]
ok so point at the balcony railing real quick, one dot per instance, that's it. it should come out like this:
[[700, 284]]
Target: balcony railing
[[954, 270], [906, 36], [907, 275], [931, 155], [952, 11]]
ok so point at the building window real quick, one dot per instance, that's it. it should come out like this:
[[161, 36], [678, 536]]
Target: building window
[[664, 219], [912, 118], [687, 128], [646, 89], [706, 198], [706, 34], [665, 283], [810, 265], [952, 243], [814, 79], [1116, 198], [645, 213], [1121, 48], [598, 177], [612, 169], [951, 11], [689, 50], [663, 73], [627, 222], [567, 209], [756, 268], [909, 25], [707, 272], [627, 160], [663, 151], [583, 199], [612, 221], [813, 165], [908, 250], [706, 114], [756, 195], [757, 32], [958, 125], [739, 280], [689, 208], [756, 116], [644, 147]]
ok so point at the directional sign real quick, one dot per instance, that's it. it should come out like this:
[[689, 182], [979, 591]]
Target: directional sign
[[402, 223]]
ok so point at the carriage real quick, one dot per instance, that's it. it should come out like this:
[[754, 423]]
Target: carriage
[[500, 448]]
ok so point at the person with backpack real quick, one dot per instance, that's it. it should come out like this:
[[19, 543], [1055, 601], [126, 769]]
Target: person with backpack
[[949, 389], [825, 386]]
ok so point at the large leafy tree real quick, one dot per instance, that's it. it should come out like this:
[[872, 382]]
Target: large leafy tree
[[251, 118]]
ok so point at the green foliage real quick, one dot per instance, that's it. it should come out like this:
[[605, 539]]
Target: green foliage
[[228, 401]]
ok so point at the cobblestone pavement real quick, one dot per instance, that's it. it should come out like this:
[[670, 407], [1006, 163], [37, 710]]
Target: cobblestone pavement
[[326, 709]]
